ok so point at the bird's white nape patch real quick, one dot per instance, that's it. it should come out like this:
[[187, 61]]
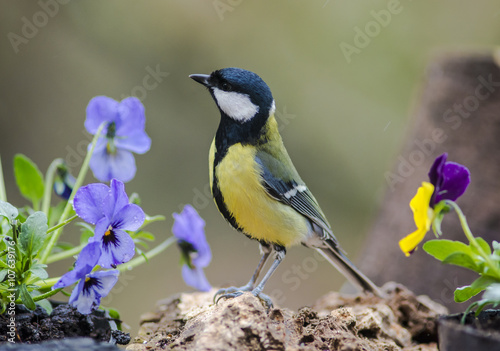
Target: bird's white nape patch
[[236, 105], [272, 110], [293, 192]]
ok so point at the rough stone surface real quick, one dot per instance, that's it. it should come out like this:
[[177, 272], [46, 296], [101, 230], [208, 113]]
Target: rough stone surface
[[401, 321]]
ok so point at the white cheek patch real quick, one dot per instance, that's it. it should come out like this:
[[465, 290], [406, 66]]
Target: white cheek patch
[[236, 105]]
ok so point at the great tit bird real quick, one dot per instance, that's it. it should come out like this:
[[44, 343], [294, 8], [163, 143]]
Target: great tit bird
[[255, 184]]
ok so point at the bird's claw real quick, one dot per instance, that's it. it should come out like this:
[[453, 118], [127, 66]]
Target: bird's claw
[[232, 292], [229, 292]]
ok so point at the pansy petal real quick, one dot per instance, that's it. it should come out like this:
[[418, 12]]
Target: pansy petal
[[437, 169], [117, 248], [131, 117], [100, 229], [89, 200], [420, 205], [410, 242], [189, 226], [122, 165], [100, 109], [130, 217], [116, 199], [85, 300], [77, 290], [456, 178], [195, 278], [87, 259], [88, 256], [67, 279], [100, 164], [423, 216], [138, 142], [107, 279]]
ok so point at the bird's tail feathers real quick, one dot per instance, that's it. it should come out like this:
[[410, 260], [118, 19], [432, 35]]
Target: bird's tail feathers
[[348, 269]]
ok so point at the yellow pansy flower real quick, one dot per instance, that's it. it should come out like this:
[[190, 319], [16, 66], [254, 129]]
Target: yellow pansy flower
[[423, 216]]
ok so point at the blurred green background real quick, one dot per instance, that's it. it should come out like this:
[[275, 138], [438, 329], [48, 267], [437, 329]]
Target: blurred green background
[[344, 75]]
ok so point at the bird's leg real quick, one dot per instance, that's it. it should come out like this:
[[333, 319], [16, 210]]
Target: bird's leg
[[266, 251], [280, 255], [257, 291]]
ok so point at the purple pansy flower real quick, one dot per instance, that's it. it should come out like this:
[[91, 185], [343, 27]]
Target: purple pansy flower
[[189, 229], [109, 209], [86, 296], [64, 182], [123, 134], [450, 180]]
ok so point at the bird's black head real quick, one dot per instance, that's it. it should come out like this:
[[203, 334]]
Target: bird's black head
[[240, 94]]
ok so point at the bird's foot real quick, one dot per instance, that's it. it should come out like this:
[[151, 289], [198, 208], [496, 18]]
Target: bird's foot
[[233, 292]]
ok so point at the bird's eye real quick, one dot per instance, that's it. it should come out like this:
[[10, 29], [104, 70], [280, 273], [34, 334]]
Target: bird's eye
[[226, 86]]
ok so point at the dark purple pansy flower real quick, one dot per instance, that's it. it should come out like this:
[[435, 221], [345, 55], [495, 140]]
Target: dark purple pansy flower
[[450, 180], [109, 209], [93, 286], [189, 229], [123, 134]]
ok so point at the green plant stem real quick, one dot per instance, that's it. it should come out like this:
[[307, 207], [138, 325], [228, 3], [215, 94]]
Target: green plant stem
[[41, 297], [49, 182], [65, 254], [150, 254], [468, 233], [3, 194], [47, 283], [78, 183], [57, 226]]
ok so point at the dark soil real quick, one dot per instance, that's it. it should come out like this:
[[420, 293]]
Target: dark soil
[[64, 322]]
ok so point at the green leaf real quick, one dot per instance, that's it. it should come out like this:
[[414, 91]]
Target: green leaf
[[113, 313], [8, 211], [442, 248], [143, 235], [38, 270], [29, 179], [46, 305], [463, 260], [33, 233], [3, 274], [466, 292], [55, 213], [26, 297], [484, 246]]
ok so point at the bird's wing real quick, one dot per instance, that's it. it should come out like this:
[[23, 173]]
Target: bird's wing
[[282, 182]]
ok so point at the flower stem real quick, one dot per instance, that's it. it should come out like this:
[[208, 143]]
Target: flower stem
[[150, 254], [65, 254], [42, 296], [49, 182], [468, 233], [57, 226], [3, 194], [47, 283], [78, 183]]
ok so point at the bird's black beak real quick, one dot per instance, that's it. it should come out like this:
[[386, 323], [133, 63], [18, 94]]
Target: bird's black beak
[[201, 78]]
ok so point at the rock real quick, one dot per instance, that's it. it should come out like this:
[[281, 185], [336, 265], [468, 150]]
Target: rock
[[401, 321]]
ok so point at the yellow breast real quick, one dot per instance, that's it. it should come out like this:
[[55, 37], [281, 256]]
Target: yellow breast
[[260, 216]]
